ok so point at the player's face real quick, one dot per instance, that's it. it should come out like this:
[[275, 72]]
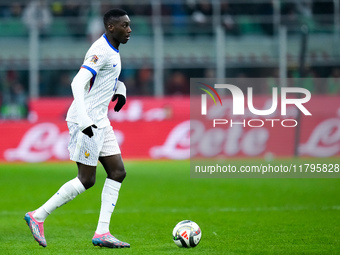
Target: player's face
[[122, 29]]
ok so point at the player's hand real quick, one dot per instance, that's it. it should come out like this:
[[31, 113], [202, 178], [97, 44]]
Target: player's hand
[[88, 131], [120, 102]]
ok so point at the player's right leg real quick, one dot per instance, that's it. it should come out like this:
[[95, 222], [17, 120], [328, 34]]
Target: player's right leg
[[83, 148], [35, 219], [37, 228]]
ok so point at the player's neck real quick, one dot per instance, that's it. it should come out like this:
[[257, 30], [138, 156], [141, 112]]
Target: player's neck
[[113, 42]]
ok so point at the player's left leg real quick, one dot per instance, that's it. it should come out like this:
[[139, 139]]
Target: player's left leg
[[115, 170], [114, 167]]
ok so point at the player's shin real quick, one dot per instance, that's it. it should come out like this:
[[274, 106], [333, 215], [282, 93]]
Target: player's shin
[[108, 202], [66, 193]]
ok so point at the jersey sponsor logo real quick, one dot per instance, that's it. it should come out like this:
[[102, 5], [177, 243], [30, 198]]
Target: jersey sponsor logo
[[94, 59], [87, 154]]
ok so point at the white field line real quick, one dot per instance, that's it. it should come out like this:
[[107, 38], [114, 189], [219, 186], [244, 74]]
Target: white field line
[[187, 210]]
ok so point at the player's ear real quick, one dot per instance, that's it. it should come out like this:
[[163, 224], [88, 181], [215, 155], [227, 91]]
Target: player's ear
[[110, 26]]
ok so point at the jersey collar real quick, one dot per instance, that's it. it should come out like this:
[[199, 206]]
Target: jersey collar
[[104, 35]]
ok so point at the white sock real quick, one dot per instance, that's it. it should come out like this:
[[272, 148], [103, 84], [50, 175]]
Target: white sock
[[66, 193], [109, 200]]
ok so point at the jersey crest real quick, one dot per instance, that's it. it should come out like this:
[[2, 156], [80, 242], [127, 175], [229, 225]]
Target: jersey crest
[[94, 59]]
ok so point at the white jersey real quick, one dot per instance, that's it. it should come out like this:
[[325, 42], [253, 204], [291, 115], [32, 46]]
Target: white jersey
[[103, 61]]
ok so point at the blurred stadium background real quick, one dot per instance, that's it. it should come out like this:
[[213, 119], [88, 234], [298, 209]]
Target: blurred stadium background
[[43, 44]]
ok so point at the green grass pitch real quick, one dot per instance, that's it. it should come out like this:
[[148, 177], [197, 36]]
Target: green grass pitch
[[237, 216]]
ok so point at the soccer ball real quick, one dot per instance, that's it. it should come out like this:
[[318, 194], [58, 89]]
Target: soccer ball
[[186, 234]]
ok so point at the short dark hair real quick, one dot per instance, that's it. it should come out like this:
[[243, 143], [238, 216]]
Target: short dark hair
[[112, 14]]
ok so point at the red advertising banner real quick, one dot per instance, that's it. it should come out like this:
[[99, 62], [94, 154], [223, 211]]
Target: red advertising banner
[[221, 133], [152, 128], [142, 128]]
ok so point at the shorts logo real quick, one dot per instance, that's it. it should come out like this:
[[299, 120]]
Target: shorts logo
[[94, 59], [87, 154]]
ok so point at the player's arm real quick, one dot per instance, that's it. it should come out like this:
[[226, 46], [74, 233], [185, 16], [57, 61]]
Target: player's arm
[[78, 89], [120, 94]]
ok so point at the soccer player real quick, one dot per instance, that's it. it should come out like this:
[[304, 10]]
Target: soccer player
[[91, 135]]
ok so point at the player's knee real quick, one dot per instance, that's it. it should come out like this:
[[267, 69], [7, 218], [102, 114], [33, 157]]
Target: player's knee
[[118, 175], [88, 182], [122, 174]]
